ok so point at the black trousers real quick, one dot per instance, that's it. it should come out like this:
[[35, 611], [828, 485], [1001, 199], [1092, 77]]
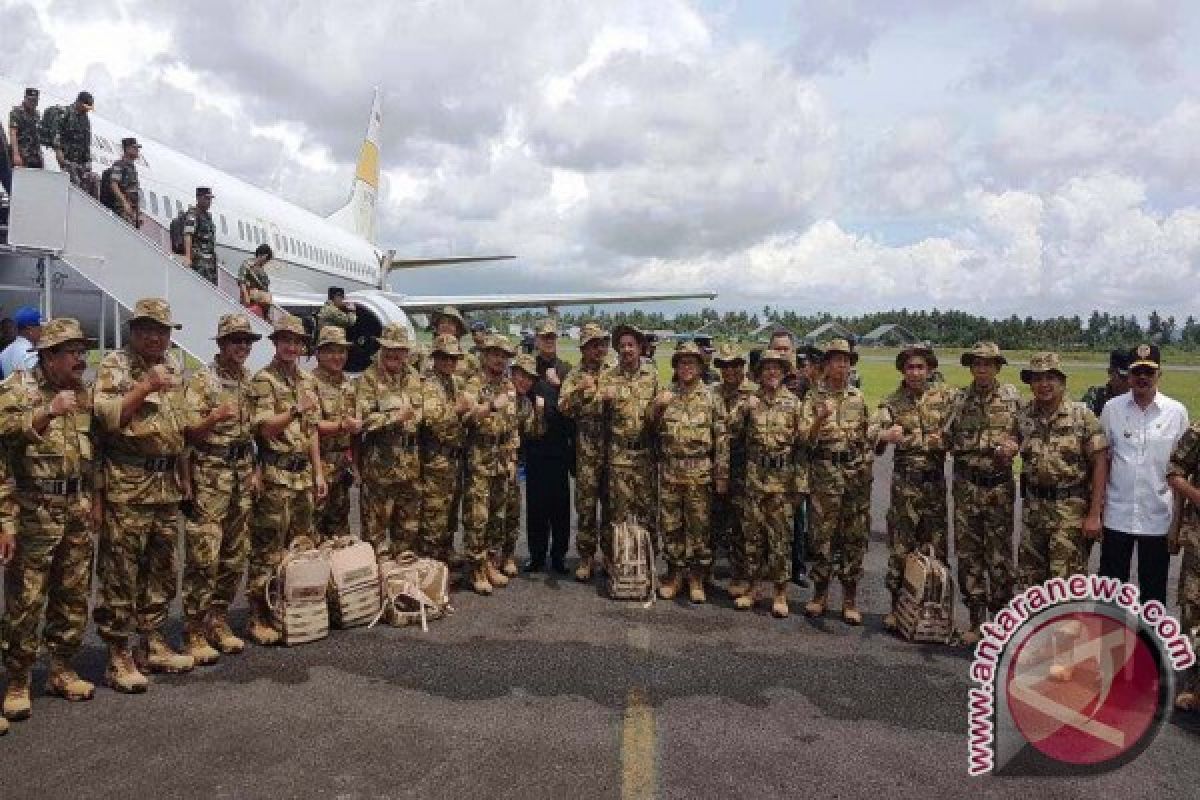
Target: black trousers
[[1116, 553], [547, 508]]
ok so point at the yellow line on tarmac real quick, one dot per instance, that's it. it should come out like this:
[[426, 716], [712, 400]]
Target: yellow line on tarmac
[[639, 774]]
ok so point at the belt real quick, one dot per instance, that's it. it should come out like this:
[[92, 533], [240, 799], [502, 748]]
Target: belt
[[691, 464], [336, 453], [430, 448], [634, 443], [405, 441], [920, 475], [836, 456], [147, 463], [60, 487], [988, 479], [234, 451], [1054, 493], [590, 427], [288, 462], [489, 440], [774, 461]]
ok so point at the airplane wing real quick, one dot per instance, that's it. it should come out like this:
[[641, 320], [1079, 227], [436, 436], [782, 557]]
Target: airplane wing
[[426, 303], [416, 263]]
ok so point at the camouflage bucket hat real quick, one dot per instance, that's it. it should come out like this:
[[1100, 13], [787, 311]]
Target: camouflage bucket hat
[[497, 341], [777, 356], [288, 323], [394, 337], [687, 349], [592, 332], [449, 312], [839, 346], [1041, 363], [332, 334], [446, 345], [547, 327], [527, 364], [235, 325], [729, 355], [986, 351], [916, 350], [61, 330], [154, 309], [632, 330]]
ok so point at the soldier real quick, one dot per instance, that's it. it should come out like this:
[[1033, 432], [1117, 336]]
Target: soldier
[[139, 408], [200, 237], [534, 411], [339, 428], [768, 420], [389, 398], [800, 375], [46, 418], [1118, 382], [628, 391], [444, 404], [286, 415], [580, 401], [548, 460], [732, 392], [8, 536], [73, 143], [447, 321], [254, 284], [338, 312], [223, 483], [835, 423], [1183, 476], [911, 419], [981, 434], [694, 447], [123, 182], [23, 123]]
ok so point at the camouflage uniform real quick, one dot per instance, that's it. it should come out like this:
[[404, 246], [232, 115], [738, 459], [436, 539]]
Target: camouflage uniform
[[258, 285], [330, 314], [74, 137], [199, 225], [630, 455], [728, 509], [391, 461], [443, 436], [25, 123], [336, 394], [1185, 463], [586, 408], [1096, 396], [124, 174], [917, 513]]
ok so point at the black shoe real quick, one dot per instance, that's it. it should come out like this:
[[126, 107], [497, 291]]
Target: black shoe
[[535, 566], [559, 567]]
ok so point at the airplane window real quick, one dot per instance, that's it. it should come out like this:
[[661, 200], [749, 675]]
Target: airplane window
[[153, 203], [293, 241], [241, 230], [142, 200], [224, 227], [178, 206]]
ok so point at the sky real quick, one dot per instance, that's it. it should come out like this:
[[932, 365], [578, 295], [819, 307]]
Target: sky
[[1036, 157]]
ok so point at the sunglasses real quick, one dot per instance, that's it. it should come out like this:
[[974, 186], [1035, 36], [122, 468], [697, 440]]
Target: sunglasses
[[1143, 372], [241, 341]]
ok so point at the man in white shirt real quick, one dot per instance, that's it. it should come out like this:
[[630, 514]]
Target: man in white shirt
[[21, 354], [1142, 427]]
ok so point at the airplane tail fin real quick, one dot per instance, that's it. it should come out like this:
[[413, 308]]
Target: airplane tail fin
[[358, 215]]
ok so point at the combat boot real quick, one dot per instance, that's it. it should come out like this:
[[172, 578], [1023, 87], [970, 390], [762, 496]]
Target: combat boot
[[260, 629], [671, 586], [738, 587], [122, 673], [155, 655], [196, 645], [816, 607], [850, 612], [65, 682], [16, 696], [978, 615], [744, 601], [480, 582], [889, 619], [495, 577], [583, 572], [510, 567], [696, 586], [779, 607], [221, 636]]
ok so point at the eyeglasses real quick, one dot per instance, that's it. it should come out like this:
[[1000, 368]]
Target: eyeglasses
[[241, 341], [1143, 372]]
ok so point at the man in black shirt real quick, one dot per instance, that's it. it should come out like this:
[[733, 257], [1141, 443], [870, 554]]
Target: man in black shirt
[[547, 460]]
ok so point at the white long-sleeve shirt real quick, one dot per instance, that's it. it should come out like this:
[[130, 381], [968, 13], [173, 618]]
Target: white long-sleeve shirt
[[1137, 499]]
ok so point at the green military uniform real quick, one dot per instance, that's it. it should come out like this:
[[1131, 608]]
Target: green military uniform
[[331, 315], [74, 138], [390, 456], [25, 122], [727, 508], [443, 436], [585, 405], [335, 391], [1096, 396], [125, 175], [199, 225], [254, 277], [629, 398], [1185, 463]]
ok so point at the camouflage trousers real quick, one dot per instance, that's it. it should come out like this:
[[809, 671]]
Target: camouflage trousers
[[685, 520], [512, 517], [728, 528], [391, 511], [1189, 610], [280, 515], [216, 539], [333, 513], [983, 521], [81, 175], [436, 538], [916, 517], [52, 567], [630, 495], [591, 505], [840, 525], [485, 524], [767, 527], [1052, 544], [205, 267], [455, 510], [137, 570]]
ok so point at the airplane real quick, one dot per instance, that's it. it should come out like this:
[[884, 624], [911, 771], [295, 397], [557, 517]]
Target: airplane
[[311, 252]]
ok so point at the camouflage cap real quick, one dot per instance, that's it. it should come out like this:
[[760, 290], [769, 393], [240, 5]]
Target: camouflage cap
[[983, 351], [1040, 363], [235, 325], [916, 350], [776, 355], [592, 332], [332, 334], [497, 341], [451, 313], [61, 330], [687, 349], [394, 337], [527, 364], [154, 309], [839, 346], [547, 327], [625, 328], [446, 345], [289, 324], [728, 354]]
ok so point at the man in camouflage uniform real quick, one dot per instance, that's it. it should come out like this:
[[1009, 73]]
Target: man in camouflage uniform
[[123, 182], [535, 422], [732, 392], [285, 419], [8, 533], [254, 284], [46, 422], [628, 390], [694, 448], [580, 400], [768, 423], [911, 419], [1118, 382], [339, 428], [981, 434], [444, 404], [449, 322], [835, 423], [73, 143], [200, 237], [389, 397], [23, 132], [223, 483], [1183, 475], [140, 411], [338, 312]]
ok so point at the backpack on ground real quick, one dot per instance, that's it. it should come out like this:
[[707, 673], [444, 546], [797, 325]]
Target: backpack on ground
[[925, 607], [296, 594], [50, 124], [176, 230], [353, 592], [413, 590], [631, 571]]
